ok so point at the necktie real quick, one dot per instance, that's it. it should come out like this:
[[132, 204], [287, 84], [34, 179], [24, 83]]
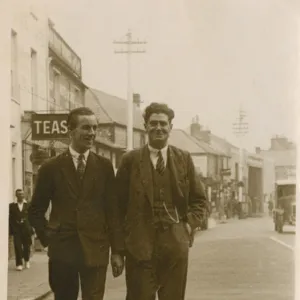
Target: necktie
[[160, 164], [80, 166]]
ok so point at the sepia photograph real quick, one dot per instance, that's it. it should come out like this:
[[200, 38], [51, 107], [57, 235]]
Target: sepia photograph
[[152, 149]]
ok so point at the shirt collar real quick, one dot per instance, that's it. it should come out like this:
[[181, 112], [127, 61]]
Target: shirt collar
[[155, 151], [75, 154], [24, 201]]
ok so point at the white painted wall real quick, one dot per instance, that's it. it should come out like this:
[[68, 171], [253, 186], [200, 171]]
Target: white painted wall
[[200, 163], [30, 24]]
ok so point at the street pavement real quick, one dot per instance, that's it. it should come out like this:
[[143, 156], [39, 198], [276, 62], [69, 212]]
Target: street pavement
[[30, 283], [241, 259]]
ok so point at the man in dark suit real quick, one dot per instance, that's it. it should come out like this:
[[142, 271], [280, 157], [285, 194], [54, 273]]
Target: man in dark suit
[[21, 230], [161, 204], [83, 222]]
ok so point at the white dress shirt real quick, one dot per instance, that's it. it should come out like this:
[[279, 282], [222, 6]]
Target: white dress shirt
[[20, 205], [75, 156], [154, 155]]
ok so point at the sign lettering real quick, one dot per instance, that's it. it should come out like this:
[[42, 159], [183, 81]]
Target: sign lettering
[[49, 126]]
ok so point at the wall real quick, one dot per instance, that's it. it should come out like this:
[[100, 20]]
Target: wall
[[212, 166], [64, 92], [200, 162], [121, 137], [30, 27], [268, 176], [105, 132]]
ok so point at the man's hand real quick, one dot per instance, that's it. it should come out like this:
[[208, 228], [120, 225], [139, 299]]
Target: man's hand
[[117, 264], [189, 228]]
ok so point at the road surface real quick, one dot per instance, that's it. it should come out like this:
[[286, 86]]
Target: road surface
[[241, 259]]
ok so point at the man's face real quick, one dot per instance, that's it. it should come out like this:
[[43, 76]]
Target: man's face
[[20, 196], [83, 136], [158, 128]]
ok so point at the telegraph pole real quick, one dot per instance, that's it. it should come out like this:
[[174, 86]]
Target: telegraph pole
[[241, 129], [129, 51]]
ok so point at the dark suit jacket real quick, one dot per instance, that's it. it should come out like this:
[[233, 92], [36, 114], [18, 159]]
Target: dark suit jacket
[[81, 219], [18, 221], [135, 196]]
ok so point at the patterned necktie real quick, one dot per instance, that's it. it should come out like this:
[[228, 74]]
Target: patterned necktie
[[80, 166], [160, 164]]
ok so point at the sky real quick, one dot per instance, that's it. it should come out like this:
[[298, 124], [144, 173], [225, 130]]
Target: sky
[[203, 57]]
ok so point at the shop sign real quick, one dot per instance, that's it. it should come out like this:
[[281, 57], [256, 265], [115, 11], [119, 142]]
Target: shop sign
[[226, 172], [49, 126]]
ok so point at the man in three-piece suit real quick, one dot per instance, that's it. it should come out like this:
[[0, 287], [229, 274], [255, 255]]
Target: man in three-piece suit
[[161, 203], [21, 230], [83, 222]]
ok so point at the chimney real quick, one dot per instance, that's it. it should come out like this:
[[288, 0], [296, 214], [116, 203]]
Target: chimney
[[137, 100], [257, 150], [195, 127], [197, 131], [279, 143]]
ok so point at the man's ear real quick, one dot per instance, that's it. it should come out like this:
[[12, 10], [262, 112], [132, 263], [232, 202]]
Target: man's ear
[[70, 132]]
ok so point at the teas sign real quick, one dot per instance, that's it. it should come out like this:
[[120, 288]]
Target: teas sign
[[49, 126]]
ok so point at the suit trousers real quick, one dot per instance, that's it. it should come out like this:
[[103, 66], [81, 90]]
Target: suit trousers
[[165, 274], [64, 281], [22, 246]]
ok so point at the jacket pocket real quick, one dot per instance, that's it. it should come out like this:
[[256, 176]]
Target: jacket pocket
[[52, 230]]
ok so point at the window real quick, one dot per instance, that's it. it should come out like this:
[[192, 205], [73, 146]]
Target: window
[[14, 66], [34, 89], [56, 90], [236, 171]]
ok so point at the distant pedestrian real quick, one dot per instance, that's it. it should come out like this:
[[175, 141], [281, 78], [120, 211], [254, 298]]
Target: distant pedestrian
[[270, 207], [21, 230]]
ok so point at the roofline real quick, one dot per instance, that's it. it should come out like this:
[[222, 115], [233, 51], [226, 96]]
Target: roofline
[[213, 151], [124, 125], [112, 120], [98, 101], [229, 143], [119, 124], [51, 24], [193, 139]]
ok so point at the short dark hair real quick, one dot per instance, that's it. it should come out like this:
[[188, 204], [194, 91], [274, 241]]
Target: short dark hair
[[18, 190], [74, 113], [156, 108]]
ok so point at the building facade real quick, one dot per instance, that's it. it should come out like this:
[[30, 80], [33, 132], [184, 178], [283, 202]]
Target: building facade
[[62, 90], [29, 52], [111, 138], [66, 89], [280, 162], [229, 169]]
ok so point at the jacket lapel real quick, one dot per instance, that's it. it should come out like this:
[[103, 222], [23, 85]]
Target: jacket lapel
[[175, 171], [68, 168], [146, 172]]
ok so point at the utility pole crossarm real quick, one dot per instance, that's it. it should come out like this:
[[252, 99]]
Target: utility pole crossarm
[[132, 51], [130, 42]]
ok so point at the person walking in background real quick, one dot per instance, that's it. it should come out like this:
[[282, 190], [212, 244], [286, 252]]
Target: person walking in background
[[21, 230], [162, 203], [83, 219], [270, 207]]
